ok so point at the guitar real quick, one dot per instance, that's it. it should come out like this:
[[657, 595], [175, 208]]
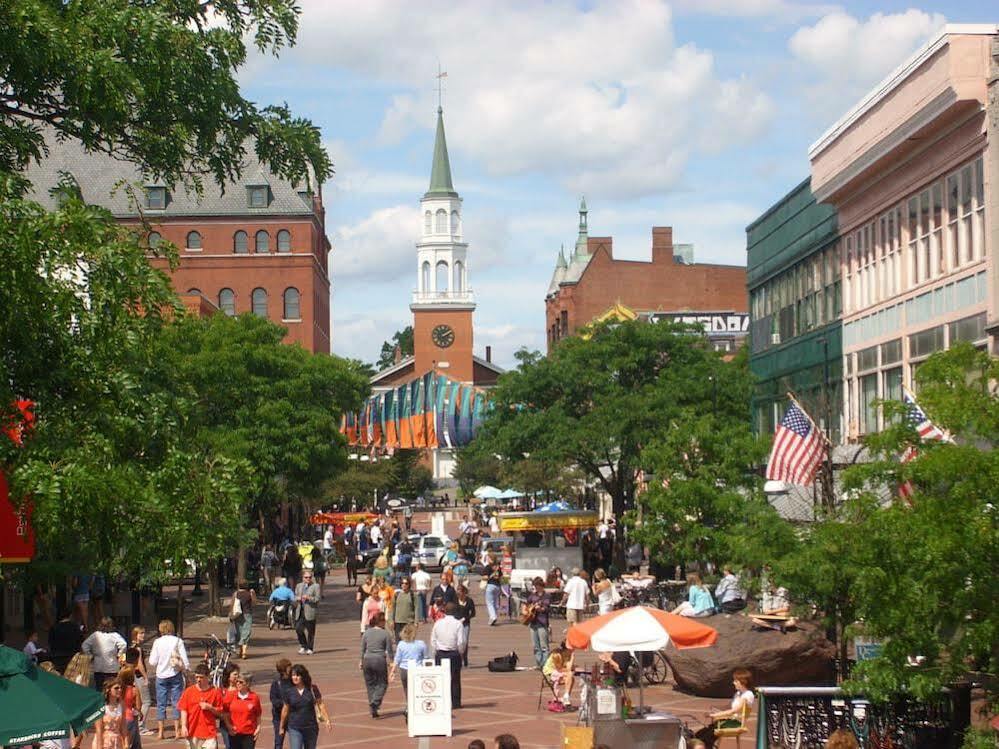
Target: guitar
[[528, 612]]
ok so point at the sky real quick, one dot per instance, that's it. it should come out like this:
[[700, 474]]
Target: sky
[[695, 114]]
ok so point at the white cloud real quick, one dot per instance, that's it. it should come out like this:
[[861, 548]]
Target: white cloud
[[788, 11], [602, 98], [849, 56], [379, 247]]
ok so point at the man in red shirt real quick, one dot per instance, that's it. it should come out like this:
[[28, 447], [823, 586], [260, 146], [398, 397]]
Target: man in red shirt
[[200, 708], [242, 714]]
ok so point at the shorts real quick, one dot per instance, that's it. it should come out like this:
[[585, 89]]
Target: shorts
[[199, 743], [81, 598], [574, 616]]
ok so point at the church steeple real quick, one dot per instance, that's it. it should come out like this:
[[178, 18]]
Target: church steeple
[[440, 173], [582, 241]]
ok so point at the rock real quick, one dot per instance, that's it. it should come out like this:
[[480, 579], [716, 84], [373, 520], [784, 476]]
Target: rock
[[801, 657]]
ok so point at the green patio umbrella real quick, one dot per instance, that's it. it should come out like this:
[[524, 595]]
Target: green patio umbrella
[[37, 705]]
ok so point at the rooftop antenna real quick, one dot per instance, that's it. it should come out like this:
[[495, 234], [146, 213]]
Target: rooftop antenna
[[441, 75]]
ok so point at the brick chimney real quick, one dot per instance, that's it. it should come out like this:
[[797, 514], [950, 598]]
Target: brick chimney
[[662, 244], [489, 353]]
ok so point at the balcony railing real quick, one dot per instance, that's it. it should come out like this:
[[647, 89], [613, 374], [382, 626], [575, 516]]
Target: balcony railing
[[444, 297]]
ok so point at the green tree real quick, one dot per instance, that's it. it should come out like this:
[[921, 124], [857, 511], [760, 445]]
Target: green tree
[[363, 481], [475, 467], [401, 339], [151, 82], [410, 476]]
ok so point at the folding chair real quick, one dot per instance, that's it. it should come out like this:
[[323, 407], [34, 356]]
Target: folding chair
[[546, 684], [735, 732]]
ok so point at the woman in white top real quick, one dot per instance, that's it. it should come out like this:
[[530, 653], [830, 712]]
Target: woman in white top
[[169, 656], [106, 647], [735, 716], [603, 589]]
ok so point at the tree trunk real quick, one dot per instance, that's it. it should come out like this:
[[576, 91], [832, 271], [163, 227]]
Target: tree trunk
[[241, 564], [179, 624], [214, 605]]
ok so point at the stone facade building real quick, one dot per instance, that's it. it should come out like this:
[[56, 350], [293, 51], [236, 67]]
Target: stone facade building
[[592, 281]]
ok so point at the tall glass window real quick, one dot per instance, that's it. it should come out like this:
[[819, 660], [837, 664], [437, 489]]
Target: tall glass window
[[292, 304], [227, 301], [240, 243], [262, 242], [259, 302]]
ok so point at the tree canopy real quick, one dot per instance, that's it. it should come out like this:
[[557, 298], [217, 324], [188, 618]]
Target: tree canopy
[[150, 82], [401, 339]]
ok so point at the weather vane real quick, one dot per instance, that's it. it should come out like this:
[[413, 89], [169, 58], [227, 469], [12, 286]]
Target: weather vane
[[441, 75]]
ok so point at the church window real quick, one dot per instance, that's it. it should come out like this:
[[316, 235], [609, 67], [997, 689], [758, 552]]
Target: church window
[[262, 241], [441, 227], [284, 240], [454, 222], [425, 276], [458, 281], [292, 304], [428, 222], [259, 302], [442, 274], [227, 301], [193, 240], [239, 243]]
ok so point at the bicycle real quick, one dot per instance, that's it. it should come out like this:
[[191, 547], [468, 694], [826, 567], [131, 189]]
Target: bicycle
[[654, 668], [217, 657]]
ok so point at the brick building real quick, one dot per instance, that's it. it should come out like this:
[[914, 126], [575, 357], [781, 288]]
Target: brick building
[[257, 246], [671, 286]]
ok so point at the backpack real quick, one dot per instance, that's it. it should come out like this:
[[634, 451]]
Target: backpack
[[503, 663]]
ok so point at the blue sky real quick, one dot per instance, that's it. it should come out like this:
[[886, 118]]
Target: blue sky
[[695, 114]]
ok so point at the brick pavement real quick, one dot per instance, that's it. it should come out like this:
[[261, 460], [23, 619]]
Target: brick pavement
[[493, 703]]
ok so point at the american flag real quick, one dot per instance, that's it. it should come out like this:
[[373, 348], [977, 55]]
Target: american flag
[[798, 449], [927, 430]]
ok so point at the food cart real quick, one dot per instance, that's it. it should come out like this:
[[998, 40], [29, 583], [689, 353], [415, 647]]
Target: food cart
[[546, 538]]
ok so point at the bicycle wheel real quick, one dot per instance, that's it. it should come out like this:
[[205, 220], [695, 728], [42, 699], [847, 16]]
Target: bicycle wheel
[[657, 671]]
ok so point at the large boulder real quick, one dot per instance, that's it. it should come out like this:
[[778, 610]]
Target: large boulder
[[799, 657]]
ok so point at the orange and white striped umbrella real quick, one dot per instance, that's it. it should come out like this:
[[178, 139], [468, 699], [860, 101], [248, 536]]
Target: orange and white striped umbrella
[[638, 629]]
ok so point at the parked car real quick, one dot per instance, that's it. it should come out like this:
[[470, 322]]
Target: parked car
[[428, 550]]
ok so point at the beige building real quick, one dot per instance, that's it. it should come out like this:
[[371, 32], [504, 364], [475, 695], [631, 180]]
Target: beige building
[[912, 171]]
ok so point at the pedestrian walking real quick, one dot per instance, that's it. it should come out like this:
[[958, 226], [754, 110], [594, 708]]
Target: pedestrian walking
[[241, 617], [351, 558], [65, 640], [535, 615], [281, 683], [447, 641], [135, 658], [298, 714], [80, 586], [603, 589], [577, 595], [169, 657], [268, 564], [106, 647], [306, 607], [364, 592], [444, 593], [494, 583], [292, 565], [403, 608], [241, 712], [465, 613], [409, 653], [319, 568], [110, 731], [200, 709], [506, 563], [229, 676], [376, 648], [132, 704], [421, 581]]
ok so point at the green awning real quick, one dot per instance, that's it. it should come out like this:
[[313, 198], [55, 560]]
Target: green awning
[[37, 705]]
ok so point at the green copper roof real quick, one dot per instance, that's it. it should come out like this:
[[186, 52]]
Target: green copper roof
[[440, 175], [560, 263]]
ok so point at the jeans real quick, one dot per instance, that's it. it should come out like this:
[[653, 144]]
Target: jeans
[[132, 729], [492, 601], [455, 661], [226, 738], [306, 632], [303, 738], [540, 641], [421, 606], [278, 736], [168, 693]]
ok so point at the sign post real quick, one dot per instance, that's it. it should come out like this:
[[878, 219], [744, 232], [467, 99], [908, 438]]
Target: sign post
[[429, 699]]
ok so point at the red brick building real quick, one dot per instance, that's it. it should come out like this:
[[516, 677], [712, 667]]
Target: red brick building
[[592, 283], [257, 246]]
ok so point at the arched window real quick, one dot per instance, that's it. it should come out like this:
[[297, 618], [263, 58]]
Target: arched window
[[284, 241], [193, 240], [442, 274], [441, 227], [154, 239], [292, 304], [194, 291], [459, 282], [425, 277], [227, 301], [262, 242], [259, 302], [428, 221], [454, 222], [240, 244]]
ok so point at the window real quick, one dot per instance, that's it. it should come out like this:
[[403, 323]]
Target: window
[[425, 277], [257, 196], [194, 291], [292, 304], [259, 302], [893, 386], [564, 322], [454, 222], [240, 244], [969, 329], [868, 409], [154, 239], [891, 352], [441, 227], [193, 240], [156, 198], [262, 242], [227, 301], [459, 270], [867, 359], [428, 222], [926, 342], [441, 280], [284, 241]]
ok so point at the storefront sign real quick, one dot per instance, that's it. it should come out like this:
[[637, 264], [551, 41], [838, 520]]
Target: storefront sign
[[17, 539], [546, 521]]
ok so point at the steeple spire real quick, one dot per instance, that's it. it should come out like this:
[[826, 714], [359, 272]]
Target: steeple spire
[[440, 173], [582, 249], [560, 263]]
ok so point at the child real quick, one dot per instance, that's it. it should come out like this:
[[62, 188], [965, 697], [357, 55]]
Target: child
[[436, 610], [31, 649], [558, 669]]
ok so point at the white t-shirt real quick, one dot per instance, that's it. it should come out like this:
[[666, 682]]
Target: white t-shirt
[[376, 534], [328, 539], [160, 653], [494, 524], [32, 650], [421, 581], [747, 697], [576, 591]]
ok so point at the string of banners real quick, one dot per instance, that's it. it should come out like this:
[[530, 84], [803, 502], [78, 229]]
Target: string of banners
[[428, 411]]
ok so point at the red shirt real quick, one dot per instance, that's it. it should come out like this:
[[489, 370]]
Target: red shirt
[[200, 724], [244, 712]]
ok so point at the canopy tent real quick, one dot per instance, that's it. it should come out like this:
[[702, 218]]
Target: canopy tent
[[559, 505], [37, 705], [340, 518], [639, 629], [510, 494], [547, 521], [487, 492]]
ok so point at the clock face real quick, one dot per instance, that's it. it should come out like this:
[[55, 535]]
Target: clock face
[[442, 335]]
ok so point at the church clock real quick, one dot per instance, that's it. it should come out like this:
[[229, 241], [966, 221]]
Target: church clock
[[442, 336]]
